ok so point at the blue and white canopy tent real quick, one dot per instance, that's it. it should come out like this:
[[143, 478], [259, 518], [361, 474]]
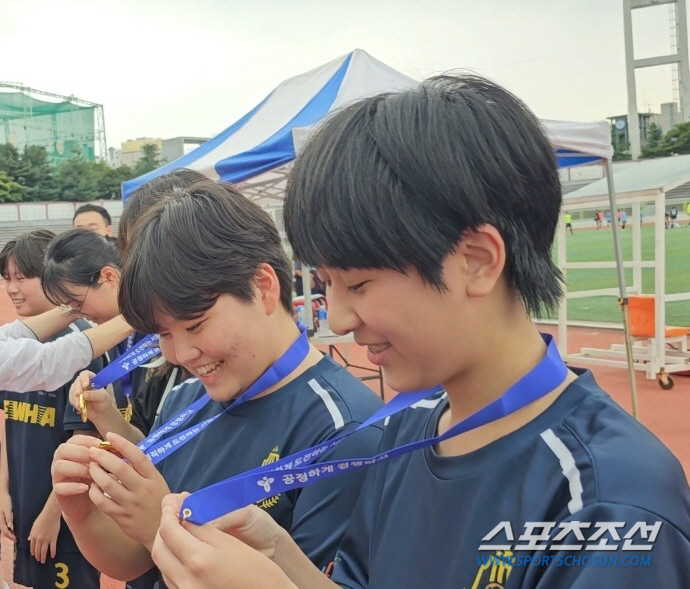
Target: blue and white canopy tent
[[256, 151], [261, 144]]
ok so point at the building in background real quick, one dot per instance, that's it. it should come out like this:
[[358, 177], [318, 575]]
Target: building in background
[[620, 129], [114, 157], [669, 117], [61, 124], [132, 150], [179, 146]]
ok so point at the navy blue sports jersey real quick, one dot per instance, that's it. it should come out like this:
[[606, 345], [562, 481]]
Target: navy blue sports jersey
[[583, 496], [321, 403], [37, 422]]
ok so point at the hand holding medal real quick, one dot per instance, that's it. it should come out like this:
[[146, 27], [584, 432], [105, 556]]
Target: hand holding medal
[[127, 487], [77, 393], [90, 402], [108, 447]]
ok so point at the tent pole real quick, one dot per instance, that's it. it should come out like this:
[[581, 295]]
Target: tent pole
[[623, 299]]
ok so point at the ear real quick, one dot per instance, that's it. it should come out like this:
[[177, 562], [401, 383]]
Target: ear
[[484, 255], [110, 274], [268, 287]]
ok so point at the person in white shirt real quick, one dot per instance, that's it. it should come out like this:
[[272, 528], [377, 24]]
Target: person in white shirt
[[26, 364]]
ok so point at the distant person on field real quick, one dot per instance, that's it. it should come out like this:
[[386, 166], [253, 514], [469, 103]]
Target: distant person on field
[[95, 218], [569, 222]]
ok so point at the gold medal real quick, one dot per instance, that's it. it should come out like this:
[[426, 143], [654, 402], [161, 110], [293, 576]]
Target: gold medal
[[108, 447], [82, 408], [128, 410]]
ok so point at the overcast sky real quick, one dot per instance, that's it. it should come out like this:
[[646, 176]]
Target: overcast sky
[[163, 68]]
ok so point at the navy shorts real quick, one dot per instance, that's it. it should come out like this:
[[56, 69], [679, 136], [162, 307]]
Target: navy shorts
[[67, 569]]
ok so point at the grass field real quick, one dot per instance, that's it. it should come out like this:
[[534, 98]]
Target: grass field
[[588, 245]]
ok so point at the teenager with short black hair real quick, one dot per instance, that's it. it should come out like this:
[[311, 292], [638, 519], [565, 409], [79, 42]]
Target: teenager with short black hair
[[21, 260], [36, 423], [205, 269], [430, 213]]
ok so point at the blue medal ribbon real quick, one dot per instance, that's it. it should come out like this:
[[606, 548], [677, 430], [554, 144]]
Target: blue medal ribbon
[[146, 349], [157, 450], [297, 471], [126, 381], [127, 378]]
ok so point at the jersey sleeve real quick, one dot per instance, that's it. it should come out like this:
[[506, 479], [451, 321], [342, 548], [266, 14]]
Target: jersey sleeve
[[322, 511], [644, 559]]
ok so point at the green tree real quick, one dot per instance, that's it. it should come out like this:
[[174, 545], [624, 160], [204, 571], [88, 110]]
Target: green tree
[[11, 162], [654, 136], [677, 140], [149, 161], [77, 179], [111, 179], [38, 174], [10, 191]]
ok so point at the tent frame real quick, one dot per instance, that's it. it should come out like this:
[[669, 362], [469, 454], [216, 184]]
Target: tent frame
[[268, 189]]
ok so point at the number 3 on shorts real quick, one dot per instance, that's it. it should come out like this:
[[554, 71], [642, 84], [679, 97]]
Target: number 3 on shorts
[[61, 572]]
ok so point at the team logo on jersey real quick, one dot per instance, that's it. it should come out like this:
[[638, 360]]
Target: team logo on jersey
[[494, 571], [29, 412], [273, 456]]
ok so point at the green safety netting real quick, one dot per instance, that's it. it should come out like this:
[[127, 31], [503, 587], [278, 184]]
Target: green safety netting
[[60, 127]]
